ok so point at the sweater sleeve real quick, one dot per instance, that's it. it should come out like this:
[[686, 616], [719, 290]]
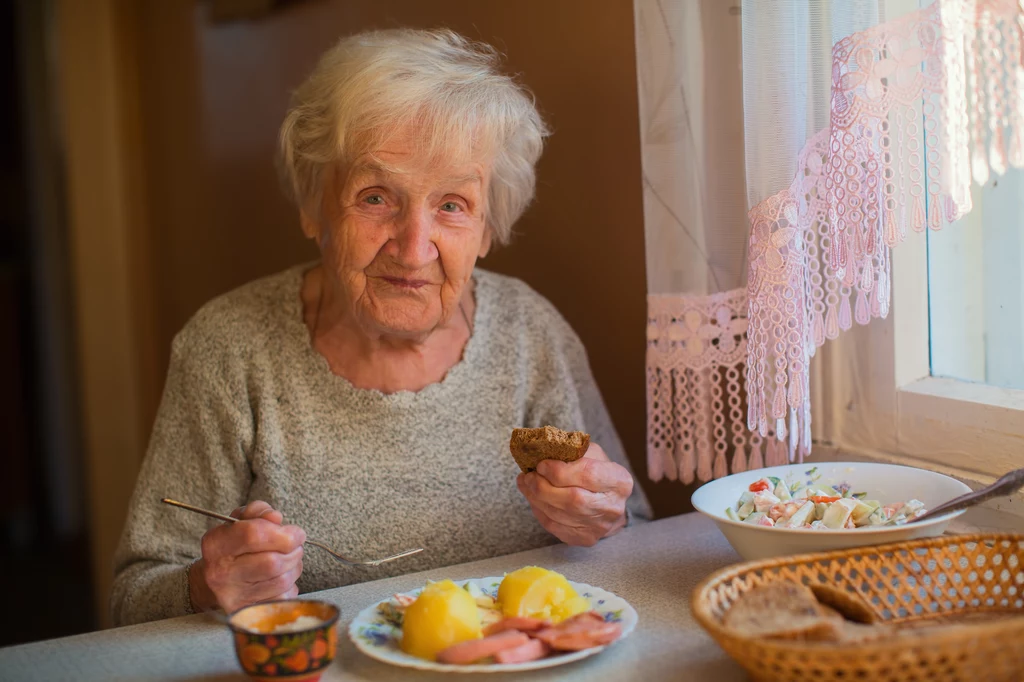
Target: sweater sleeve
[[197, 454], [568, 397]]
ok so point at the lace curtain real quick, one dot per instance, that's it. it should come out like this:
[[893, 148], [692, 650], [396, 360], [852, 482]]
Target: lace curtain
[[853, 127], [691, 120]]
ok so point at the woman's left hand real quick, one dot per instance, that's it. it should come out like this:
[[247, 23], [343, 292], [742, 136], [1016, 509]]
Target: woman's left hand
[[579, 502]]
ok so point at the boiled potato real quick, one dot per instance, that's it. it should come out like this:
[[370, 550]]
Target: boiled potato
[[539, 593], [444, 614]]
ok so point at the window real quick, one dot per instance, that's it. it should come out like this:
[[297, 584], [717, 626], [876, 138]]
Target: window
[[976, 289], [901, 388], [940, 382]]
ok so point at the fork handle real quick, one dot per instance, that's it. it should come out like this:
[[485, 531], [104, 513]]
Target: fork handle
[[309, 541], [1006, 485], [199, 510], [231, 519]]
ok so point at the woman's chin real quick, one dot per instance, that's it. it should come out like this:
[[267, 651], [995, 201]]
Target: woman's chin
[[404, 324]]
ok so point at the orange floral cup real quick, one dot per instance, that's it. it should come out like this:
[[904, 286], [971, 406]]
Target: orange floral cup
[[292, 640]]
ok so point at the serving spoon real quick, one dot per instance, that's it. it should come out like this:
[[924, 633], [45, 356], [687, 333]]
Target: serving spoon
[[309, 541], [1006, 485]]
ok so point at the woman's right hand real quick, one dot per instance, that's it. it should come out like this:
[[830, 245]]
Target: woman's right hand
[[252, 560]]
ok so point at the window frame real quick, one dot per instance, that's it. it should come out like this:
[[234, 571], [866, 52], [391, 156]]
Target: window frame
[[951, 422], [874, 395]]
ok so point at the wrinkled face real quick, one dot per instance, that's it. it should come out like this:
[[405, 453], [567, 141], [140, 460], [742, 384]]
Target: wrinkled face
[[401, 238]]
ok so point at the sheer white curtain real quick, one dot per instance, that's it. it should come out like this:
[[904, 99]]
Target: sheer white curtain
[[787, 79], [691, 122], [769, 222], [787, 83]]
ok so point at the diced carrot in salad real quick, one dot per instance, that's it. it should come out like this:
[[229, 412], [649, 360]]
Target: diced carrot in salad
[[772, 502]]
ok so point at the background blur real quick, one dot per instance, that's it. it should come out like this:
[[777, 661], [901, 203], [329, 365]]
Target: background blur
[[137, 182]]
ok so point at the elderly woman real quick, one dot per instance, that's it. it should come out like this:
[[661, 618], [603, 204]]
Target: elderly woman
[[367, 399]]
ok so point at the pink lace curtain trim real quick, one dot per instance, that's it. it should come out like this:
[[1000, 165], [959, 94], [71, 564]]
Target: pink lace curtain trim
[[696, 353], [919, 106]]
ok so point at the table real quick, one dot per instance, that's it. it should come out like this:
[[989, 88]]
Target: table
[[655, 566]]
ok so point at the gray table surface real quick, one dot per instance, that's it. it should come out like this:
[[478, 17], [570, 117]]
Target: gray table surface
[[655, 566]]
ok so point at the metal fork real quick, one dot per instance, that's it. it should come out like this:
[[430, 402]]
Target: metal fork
[[1006, 485], [309, 541]]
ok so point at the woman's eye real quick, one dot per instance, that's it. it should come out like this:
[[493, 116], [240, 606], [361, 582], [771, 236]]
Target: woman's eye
[[450, 207], [374, 199]]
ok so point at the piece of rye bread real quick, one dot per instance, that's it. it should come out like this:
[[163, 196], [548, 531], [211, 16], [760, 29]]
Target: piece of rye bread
[[850, 604], [856, 633], [530, 446], [783, 610]]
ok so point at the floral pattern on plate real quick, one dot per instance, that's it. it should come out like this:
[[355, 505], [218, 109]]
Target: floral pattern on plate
[[378, 637]]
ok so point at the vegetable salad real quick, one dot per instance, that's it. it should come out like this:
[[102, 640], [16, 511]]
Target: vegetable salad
[[773, 502]]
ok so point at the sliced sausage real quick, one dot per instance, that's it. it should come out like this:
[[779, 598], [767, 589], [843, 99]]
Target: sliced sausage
[[580, 639], [580, 632], [476, 649], [531, 651], [521, 623], [585, 617]]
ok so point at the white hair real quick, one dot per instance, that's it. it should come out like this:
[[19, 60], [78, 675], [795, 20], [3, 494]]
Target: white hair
[[373, 84]]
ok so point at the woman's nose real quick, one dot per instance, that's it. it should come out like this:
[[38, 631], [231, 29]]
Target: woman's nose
[[413, 246]]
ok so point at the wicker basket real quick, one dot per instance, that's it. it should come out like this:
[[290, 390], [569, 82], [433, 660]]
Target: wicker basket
[[976, 578]]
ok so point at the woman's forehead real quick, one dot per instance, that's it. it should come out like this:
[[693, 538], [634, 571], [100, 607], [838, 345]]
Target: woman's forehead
[[389, 163], [424, 150]]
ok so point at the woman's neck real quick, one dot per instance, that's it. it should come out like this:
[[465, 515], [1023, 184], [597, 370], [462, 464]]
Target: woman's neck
[[387, 364]]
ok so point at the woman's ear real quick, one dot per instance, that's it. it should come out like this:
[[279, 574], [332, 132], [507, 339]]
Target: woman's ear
[[485, 243], [310, 228]]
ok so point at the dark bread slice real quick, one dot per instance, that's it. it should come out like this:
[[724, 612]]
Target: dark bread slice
[[850, 604], [530, 446], [783, 610], [852, 633]]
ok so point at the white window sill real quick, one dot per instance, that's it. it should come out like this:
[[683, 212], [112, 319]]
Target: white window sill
[[961, 425], [965, 403]]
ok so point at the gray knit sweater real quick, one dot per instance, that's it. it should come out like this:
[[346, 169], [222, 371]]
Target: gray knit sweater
[[251, 411]]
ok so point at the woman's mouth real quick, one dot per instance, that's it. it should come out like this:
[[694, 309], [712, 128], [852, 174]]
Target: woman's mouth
[[403, 283]]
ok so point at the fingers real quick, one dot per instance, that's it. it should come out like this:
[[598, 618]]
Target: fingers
[[257, 568], [251, 578], [589, 473], [264, 592], [574, 506], [254, 535], [585, 501], [258, 509], [272, 588], [273, 516], [290, 594], [255, 559], [251, 510], [568, 533], [575, 500], [536, 488], [595, 451]]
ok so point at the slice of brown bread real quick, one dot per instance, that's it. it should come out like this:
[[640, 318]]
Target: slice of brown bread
[[851, 605], [783, 610], [851, 632], [530, 446]]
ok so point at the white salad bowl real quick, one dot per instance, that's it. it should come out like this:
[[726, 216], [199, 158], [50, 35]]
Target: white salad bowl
[[887, 483]]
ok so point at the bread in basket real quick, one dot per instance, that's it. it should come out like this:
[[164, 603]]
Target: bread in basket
[[973, 583]]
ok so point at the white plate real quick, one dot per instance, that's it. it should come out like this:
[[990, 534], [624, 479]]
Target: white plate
[[886, 483], [377, 638]]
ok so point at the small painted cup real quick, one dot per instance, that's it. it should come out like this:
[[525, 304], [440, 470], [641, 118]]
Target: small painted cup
[[292, 640]]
